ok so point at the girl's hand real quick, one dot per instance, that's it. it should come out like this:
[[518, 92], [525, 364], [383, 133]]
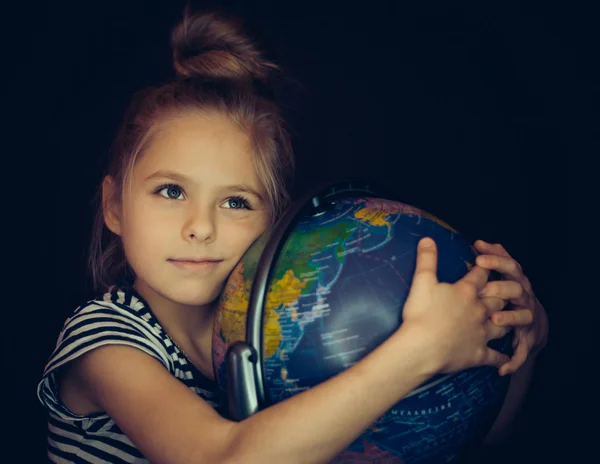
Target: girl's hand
[[526, 314], [450, 321]]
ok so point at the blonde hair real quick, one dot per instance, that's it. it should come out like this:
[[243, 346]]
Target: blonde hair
[[218, 68]]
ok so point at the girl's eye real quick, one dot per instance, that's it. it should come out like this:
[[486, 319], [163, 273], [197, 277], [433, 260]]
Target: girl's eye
[[236, 203], [172, 192]]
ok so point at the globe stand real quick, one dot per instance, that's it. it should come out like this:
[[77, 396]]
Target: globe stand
[[242, 398]]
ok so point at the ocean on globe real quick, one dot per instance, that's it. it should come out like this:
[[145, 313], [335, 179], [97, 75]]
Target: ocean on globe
[[324, 288]]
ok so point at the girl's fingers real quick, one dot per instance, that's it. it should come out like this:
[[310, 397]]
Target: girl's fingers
[[427, 260], [493, 304], [513, 318], [518, 359], [494, 358], [516, 338], [477, 276], [496, 331], [508, 290], [494, 249], [503, 264]]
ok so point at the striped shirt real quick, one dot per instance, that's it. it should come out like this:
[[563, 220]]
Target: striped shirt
[[119, 317]]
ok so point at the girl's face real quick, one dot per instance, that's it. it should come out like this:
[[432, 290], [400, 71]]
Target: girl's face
[[192, 207]]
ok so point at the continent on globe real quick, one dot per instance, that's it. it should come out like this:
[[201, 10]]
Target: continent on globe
[[385, 207]]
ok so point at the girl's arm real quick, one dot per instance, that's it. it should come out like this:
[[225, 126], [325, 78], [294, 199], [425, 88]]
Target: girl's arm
[[517, 392], [169, 423]]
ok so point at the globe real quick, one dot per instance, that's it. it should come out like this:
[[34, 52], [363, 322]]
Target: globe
[[325, 287]]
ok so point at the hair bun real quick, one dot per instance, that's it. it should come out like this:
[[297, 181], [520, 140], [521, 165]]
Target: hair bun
[[214, 46]]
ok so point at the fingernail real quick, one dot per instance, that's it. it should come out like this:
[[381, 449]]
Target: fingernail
[[500, 318], [426, 242]]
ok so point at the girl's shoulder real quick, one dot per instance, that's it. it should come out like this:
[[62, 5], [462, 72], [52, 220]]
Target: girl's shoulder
[[118, 317], [117, 309]]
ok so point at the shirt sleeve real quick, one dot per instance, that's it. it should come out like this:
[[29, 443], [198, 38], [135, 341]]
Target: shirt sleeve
[[91, 326]]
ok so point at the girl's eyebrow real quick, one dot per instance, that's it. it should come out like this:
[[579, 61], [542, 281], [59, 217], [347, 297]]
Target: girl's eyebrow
[[169, 175], [243, 188]]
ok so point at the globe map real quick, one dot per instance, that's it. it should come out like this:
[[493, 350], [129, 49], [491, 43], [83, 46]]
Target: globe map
[[336, 292]]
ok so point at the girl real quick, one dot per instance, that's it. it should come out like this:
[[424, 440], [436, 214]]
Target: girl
[[198, 173]]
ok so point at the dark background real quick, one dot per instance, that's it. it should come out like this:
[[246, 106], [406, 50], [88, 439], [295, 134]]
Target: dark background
[[476, 113]]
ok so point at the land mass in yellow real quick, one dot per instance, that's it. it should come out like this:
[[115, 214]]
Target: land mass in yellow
[[283, 292]]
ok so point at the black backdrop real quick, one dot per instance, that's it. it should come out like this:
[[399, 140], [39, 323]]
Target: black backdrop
[[470, 111]]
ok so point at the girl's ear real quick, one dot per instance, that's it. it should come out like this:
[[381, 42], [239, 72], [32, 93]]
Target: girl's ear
[[111, 206]]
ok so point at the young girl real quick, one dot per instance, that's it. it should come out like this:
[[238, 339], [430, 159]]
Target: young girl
[[198, 173]]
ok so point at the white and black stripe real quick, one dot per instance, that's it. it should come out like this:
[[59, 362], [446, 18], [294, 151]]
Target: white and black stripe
[[121, 316]]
